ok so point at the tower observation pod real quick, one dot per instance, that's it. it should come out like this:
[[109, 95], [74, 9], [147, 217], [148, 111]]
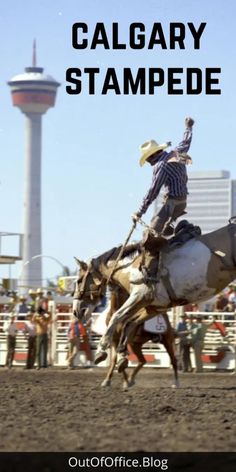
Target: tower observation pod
[[33, 92]]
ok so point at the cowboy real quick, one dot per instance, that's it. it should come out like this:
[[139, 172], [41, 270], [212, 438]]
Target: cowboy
[[169, 170]]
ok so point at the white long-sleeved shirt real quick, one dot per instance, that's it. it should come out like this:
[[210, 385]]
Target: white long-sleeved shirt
[[10, 328]]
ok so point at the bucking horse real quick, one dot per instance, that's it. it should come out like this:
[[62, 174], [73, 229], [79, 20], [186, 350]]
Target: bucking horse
[[188, 272], [165, 334]]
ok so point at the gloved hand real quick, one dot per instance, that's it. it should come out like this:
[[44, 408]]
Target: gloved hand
[[189, 122], [169, 143], [136, 216]]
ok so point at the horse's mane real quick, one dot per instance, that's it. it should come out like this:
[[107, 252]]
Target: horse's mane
[[110, 255]]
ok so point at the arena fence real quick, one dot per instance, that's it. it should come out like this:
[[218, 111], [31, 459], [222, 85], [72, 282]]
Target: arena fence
[[219, 344]]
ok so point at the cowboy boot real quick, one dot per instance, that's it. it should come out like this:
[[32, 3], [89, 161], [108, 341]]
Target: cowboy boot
[[151, 249]]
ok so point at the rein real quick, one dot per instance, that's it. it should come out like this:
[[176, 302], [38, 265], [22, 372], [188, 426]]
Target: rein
[[91, 292], [150, 230], [121, 253]]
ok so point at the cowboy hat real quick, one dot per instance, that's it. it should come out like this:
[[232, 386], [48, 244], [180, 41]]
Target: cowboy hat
[[31, 292], [148, 148]]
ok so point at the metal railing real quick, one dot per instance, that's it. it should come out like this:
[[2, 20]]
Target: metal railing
[[214, 343]]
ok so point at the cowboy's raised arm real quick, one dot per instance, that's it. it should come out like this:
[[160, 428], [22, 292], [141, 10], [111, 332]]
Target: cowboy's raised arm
[[184, 145]]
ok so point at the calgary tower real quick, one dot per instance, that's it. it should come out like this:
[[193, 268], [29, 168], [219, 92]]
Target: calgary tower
[[34, 92]]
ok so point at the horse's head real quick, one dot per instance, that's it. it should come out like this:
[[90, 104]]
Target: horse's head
[[89, 290]]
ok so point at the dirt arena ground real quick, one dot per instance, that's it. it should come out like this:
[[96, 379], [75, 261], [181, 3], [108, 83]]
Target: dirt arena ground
[[62, 410]]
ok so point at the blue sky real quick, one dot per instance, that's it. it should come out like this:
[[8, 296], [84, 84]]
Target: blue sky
[[91, 180]]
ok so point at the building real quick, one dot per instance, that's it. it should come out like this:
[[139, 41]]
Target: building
[[33, 92], [211, 200]]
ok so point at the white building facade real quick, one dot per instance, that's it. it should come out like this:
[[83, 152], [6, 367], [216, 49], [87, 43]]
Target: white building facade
[[211, 200]]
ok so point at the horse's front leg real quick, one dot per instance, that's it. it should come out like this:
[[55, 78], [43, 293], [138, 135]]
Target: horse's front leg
[[137, 299]]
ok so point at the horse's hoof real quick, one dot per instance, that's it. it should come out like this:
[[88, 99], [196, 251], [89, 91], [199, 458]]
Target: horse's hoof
[[131, 383], [125, 387], [122, 364], [100, 356], [106, 383], [176, 385]]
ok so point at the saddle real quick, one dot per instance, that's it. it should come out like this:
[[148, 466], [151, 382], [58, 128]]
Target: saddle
[[184, 231]]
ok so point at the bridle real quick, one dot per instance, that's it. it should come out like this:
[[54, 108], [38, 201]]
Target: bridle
[[98, 291]]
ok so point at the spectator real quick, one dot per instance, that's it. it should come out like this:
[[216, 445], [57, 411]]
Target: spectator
[[198, 330], [32, 294], [40, 301], [10, 329], [230, 310], [42, 321], [184, 345], [73, 341], [22, 309], [12, 305], [220, 303], [191, 307], [232, 295], [195, 307], [30, 332]]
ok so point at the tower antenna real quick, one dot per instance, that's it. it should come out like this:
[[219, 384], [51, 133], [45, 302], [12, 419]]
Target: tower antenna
[[34, 59]]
